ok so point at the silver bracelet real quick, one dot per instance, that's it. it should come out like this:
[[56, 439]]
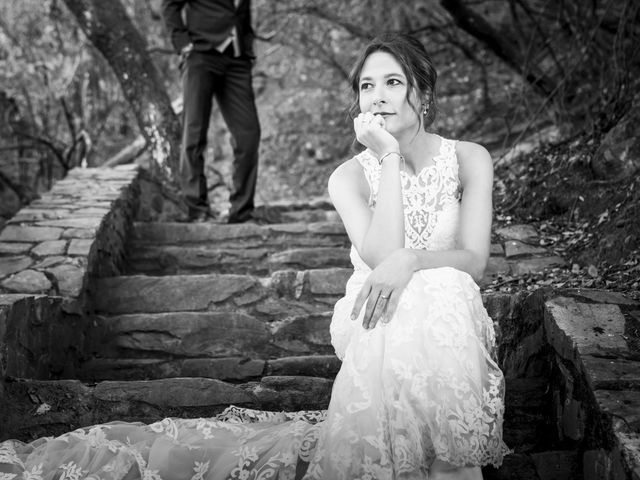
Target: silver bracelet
[[390, 153]]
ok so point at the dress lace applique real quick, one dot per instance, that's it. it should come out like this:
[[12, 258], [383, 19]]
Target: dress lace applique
[[431, 198]]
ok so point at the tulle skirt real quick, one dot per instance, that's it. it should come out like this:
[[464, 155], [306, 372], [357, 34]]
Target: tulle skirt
[[423, 386]]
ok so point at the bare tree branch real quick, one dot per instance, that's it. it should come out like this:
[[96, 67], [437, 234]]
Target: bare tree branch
[[314, 11], [478, 27]]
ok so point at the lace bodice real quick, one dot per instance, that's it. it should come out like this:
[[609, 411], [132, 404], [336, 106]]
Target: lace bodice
[[431, 199]]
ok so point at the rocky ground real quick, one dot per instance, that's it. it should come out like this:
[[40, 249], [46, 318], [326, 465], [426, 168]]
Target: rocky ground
[[593, 224]]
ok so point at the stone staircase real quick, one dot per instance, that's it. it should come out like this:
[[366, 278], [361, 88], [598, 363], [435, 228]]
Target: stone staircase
[[239, 314], [181, 314]]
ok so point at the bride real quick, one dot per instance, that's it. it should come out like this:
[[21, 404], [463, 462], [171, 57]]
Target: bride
[[419, 395]]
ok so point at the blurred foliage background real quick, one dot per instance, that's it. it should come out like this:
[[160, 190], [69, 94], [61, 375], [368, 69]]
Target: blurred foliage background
[[541, 83]]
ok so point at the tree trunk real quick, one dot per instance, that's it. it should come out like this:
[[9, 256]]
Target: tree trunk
[[111, 31], [476, 26]]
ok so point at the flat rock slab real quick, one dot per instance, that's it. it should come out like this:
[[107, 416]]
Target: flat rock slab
[[307, 216], [291, 393], [172, 392], [10, 265], [27, 281], [496, 250], [92, 222], [50, 247], [183, 334], [173, 259], [536, 265], [140, 293], [229, 368], [326, 366], [516, 249], [13, 248], [80, 246], [622, 407], [70, 278], [304, 334], [611, 374], [185, 233], [523, 232], [575, 328], [496, 266], [602, 296], [19, 233], [329, 281], [311, 258], [30, 215]]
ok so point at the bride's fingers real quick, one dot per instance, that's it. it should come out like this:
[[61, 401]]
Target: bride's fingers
[[379, 309], [362, 296], [375, 309], [391, 307], [368, 312]]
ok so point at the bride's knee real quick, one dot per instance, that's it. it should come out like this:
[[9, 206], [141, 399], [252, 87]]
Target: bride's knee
[[443, 280]]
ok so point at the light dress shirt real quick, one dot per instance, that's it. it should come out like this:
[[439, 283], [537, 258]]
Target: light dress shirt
[[232, 38]]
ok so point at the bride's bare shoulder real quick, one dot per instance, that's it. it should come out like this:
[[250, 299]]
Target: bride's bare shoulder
[[348, 175], [469, 150], [474, 160]]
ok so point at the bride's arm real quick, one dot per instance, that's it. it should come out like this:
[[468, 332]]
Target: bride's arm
[[391, 276], [375, 234]]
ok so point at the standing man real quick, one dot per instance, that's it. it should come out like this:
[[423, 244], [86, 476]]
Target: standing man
[[214, 39]]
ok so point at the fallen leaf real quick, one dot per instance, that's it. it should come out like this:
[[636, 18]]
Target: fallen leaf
[[43, 408]]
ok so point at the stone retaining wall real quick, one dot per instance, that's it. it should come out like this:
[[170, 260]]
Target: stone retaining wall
[[584, 346], [50, 253]]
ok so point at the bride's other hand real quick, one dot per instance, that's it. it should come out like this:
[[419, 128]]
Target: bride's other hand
[[383, 288], [370, 131]]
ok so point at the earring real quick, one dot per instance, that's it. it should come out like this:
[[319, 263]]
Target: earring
[[426, 110]]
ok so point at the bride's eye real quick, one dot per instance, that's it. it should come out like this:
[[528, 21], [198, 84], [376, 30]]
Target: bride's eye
[[365, 86], [394, 82]]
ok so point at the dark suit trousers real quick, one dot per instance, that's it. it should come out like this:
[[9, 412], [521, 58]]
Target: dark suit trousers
[[205, 75]]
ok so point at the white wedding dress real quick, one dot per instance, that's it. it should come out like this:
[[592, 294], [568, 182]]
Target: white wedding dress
[[421, 387]]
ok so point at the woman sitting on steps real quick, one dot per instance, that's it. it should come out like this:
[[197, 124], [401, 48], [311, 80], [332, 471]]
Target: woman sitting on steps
[[419, 394]]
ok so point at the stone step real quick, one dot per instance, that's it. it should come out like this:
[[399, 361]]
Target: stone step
[[285, 293], [35, 408], [230, 369], [200, 259], [241, 236], [207, 335], [50, 407]]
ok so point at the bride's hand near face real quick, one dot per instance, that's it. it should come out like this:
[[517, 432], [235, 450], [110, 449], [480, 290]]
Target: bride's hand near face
[[383, 287], [370, 132]]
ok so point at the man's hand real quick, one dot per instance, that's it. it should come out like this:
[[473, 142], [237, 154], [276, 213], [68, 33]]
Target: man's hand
[[383, 288], [185, 51]]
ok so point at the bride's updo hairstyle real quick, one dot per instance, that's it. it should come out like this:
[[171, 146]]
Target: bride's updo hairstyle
[[416, 65]]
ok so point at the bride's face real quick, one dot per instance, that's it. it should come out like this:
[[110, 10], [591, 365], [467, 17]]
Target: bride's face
[[383, 90]]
